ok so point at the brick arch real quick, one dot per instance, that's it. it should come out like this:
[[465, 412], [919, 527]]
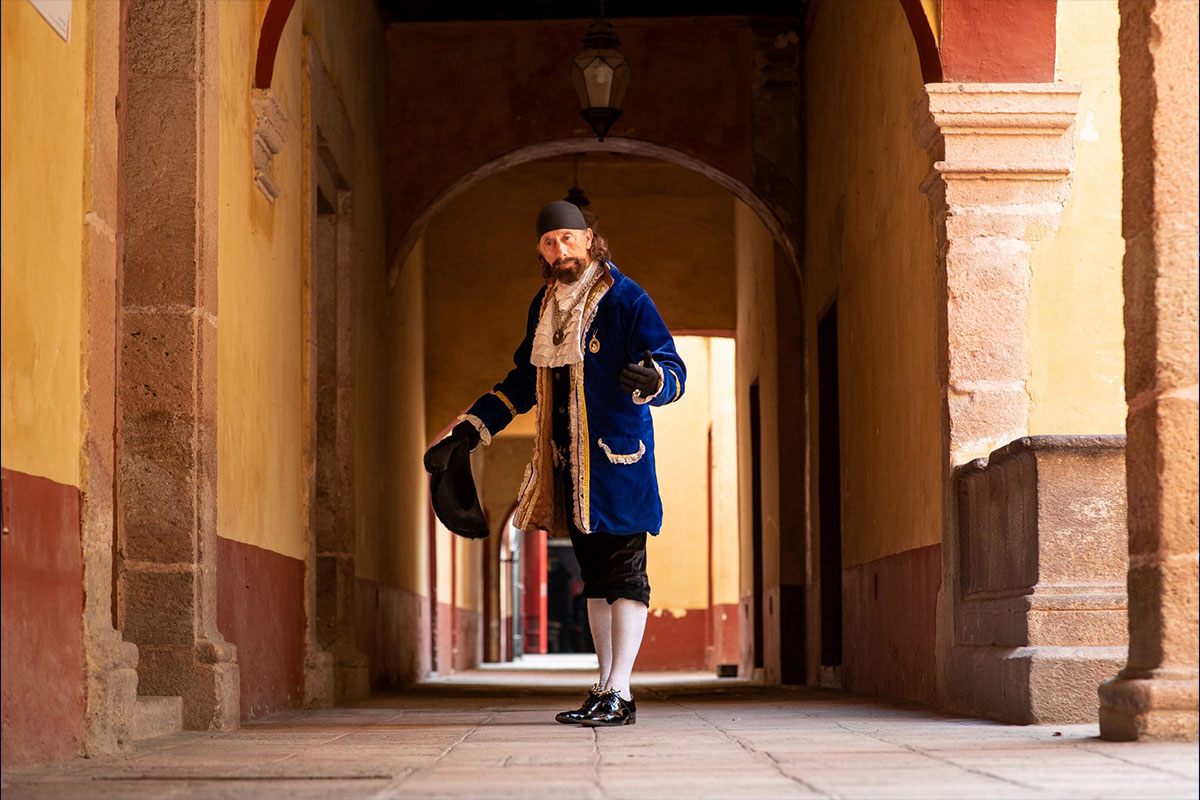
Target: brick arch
[[559, 147], [268, 41]]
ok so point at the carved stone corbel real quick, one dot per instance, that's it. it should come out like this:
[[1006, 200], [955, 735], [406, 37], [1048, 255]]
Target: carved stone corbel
[[270, 129]]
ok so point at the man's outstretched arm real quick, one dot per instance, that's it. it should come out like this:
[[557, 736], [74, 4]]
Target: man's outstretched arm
[[514, 395]]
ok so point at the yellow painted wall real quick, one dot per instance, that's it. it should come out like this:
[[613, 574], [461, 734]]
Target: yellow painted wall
[[392, 496], [469, 586], [390, 487], [870, 240], [259, 414], [722, 403], [757, 360], [1075, 326], [677, 559], [668, 228], [46, 97]]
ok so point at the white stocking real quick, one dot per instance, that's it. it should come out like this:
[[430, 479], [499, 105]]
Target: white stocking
[[601, 622], [628, 625]]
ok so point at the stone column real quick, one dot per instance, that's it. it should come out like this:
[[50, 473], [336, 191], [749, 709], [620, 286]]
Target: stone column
[[167, 403], [1155, 696], [335, 669], [1002, 156], [111, 664]]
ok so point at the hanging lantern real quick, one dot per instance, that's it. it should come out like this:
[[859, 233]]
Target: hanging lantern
[[601, 76], [576, 196]]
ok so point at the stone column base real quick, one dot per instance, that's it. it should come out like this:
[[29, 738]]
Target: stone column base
[[205, 675], [1161, 706], [112, 688], [1030, 685], [352, 672], [318, 678]]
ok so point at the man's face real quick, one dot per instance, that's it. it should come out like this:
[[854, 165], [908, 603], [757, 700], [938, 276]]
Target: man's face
[[566, 251]]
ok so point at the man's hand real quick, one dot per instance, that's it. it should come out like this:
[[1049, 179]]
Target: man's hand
[[641, 380], [462, 431]]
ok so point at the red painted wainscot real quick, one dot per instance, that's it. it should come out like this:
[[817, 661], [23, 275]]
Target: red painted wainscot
[[260, 608], [41, 617], [890, 607], [391, 626], [694, 639]]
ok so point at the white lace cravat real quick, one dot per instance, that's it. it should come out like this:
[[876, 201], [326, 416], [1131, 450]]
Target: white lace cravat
[[545, 352]]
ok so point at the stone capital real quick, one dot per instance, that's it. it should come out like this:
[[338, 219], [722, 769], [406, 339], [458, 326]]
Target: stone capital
[[1003, 156], [1000, 129]]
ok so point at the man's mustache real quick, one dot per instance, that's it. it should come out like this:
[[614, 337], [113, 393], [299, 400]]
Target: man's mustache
[[563, 262]]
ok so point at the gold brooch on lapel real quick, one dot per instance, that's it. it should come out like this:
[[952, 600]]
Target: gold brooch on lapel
[[594, 344]]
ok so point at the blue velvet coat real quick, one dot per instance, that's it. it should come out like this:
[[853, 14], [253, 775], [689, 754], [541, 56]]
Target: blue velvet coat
[[612, 437]]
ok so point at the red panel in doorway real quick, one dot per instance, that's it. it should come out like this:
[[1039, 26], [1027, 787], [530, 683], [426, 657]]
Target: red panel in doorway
[[534, 563]]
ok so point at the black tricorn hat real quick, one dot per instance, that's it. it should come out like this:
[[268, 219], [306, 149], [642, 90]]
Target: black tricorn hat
[[452, 488]]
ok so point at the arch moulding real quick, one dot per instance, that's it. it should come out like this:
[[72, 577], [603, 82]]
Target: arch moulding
[[559, 147]]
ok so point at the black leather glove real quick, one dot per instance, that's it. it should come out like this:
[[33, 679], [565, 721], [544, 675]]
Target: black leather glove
[[640, 380], [463, 431]]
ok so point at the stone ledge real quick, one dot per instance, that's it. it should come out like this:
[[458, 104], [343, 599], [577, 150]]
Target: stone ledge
[[1031, 685], [1036, 627], [1078, 445]]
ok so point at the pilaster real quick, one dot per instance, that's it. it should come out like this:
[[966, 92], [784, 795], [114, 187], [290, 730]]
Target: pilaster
[[110, 663], [1003, 155], [1003, 158], [167, 399], [1156, 694]]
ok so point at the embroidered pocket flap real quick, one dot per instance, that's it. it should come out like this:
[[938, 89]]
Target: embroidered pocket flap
[[624, 444]]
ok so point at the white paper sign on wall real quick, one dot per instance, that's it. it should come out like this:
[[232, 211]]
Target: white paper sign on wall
[[58, 14]]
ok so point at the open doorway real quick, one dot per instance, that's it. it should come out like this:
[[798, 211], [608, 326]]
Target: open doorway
[[829, 483], [567, 629], [478, 292]]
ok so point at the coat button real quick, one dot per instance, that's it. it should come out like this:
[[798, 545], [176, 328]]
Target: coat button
[[562, 410]]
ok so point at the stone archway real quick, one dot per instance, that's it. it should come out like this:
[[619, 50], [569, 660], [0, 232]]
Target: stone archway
[[561, 147]]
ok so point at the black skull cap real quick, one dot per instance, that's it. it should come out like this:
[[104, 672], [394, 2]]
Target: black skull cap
[[560, 214]]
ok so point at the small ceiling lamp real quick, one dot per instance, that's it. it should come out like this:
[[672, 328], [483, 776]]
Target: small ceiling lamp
[[576, 196], [601, 76]]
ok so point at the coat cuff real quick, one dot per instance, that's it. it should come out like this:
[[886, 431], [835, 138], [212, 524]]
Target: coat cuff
[[485, 435], [641, 401]]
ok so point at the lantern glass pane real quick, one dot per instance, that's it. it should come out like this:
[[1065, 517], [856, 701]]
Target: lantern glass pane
[[577, 80], [620, 83], [599, 78]]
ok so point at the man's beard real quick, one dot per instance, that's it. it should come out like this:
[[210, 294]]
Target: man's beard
[[567, 270]]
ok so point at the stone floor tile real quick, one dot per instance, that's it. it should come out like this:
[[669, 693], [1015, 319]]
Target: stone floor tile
[[470, 738], [934, 782], [859, 761], [684, 787], [61, 789]]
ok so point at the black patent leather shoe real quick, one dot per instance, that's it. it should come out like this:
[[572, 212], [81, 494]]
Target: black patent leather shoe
[[575, 717], [612, 710]]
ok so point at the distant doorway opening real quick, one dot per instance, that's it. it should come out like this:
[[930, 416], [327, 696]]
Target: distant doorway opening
[[829, 489]]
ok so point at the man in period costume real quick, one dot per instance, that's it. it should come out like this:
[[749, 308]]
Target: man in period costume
[[595, 355]]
